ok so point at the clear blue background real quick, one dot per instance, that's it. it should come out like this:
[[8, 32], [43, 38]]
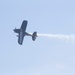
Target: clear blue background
[[44, 56]]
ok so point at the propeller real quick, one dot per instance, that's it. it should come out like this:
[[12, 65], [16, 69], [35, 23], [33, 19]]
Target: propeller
[[14, 29]]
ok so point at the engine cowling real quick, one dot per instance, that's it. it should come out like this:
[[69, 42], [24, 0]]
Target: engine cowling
[[16, 30]]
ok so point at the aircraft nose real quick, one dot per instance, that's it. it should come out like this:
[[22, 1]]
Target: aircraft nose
[[13, 29]]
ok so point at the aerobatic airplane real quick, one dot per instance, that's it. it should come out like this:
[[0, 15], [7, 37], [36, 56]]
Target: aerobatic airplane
[[22, 32]]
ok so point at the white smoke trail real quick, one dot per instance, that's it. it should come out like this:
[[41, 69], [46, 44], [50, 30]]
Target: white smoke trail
[[70, 38]]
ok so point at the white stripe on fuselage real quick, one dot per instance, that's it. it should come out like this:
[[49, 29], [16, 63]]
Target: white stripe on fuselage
[[21, 35]]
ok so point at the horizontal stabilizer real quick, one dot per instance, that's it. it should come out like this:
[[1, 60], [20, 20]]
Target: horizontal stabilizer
[[34, 36]]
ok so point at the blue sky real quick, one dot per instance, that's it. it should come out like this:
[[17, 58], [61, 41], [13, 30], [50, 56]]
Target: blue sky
[[44, 56]]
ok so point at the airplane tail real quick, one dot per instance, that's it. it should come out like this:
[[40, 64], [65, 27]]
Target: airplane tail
[[34, 36]]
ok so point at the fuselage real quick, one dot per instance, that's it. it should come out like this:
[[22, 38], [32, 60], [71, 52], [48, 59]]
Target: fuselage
[[21, 36]]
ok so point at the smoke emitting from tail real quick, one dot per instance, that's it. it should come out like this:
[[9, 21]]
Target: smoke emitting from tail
[[70, 38]]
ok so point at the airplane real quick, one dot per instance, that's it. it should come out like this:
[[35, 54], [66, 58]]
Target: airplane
[[22, 32]]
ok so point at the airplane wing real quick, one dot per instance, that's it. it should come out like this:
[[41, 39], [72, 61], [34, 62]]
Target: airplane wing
[[24, 25], [20, 39]]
